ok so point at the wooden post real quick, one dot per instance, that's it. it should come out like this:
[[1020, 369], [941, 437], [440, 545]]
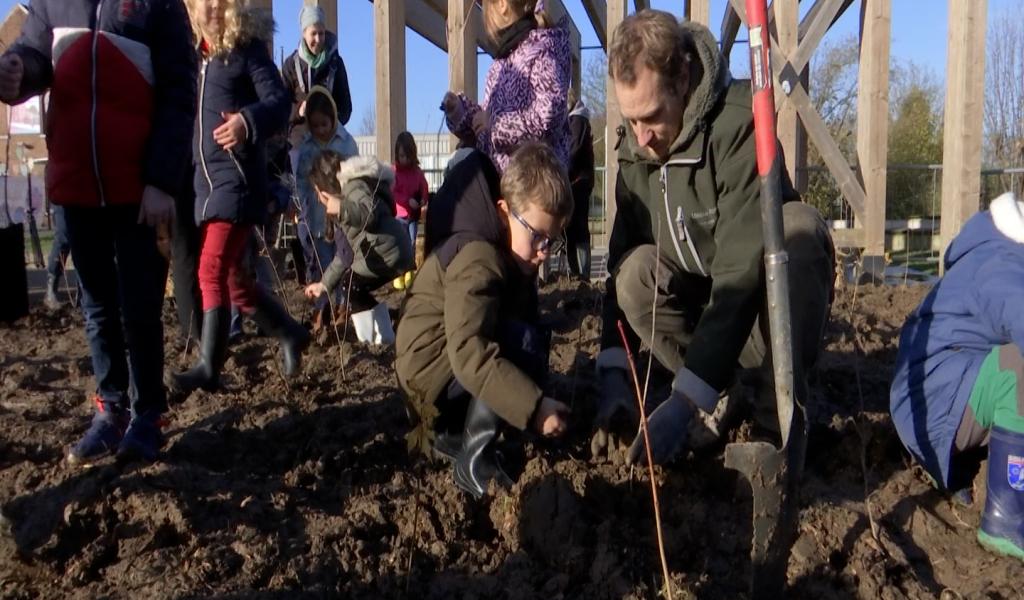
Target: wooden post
[[597, 12], [389, 33], [699, 11], [616, 13], [576, 79], [961, 150], [330, 8], [462, 63], [873, 126], [792, 135]]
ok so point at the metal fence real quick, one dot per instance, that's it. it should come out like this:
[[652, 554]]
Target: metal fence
[[912, 191]]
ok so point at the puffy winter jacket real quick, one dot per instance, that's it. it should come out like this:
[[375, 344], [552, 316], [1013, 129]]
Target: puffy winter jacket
[[526, 95], [122, 81], [409, 183], [379, 242], [970, 311], [233, 185]]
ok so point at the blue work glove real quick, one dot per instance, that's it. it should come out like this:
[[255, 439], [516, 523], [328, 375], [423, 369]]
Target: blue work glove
[[667, 428]]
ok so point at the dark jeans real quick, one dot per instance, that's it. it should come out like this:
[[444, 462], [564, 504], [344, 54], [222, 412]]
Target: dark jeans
[[122, 275], [61, 246], [185, 263], [14, 300], [526, 346]]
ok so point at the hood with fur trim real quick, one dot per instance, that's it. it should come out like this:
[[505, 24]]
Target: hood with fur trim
[[257, 24], [365, 167]]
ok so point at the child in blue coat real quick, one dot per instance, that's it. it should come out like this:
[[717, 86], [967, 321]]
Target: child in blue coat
[[242, 104], [959, 381]]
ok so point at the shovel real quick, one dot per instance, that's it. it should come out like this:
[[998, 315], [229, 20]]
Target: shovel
[[773, 473]]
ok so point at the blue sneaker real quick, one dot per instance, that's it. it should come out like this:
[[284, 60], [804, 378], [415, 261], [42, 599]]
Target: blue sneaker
[[102, 438], [143, 439], [1002, 523]]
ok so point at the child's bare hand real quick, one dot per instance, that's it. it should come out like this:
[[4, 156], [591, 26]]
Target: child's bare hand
[[12, 70], [315, 290], [549, 420], [232, 132]]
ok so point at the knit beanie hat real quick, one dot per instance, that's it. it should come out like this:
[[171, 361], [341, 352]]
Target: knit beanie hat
[[311, 15]]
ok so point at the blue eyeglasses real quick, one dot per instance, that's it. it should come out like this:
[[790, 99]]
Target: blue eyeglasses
[[540, 242]]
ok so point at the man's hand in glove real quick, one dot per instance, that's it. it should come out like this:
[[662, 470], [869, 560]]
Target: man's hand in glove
[[667, 428], [614, 395]]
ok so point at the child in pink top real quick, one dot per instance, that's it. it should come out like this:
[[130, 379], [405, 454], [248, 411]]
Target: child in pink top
[[410, 192]]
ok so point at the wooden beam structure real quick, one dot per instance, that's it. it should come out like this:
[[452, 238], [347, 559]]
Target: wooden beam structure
[[699, 11], [597, 12], [873, 125], [965, 93], [792, 136], [462, 36], [729, 30], [556, 9], [817, 24], [389, 43], [791, 85], [424, 20], [616, 14], [812, 14]]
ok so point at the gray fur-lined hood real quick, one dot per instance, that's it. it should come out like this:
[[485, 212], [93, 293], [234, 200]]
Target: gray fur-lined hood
[[363, 167]]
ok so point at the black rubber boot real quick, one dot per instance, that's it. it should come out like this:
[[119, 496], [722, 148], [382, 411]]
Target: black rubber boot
[[52, 300], [275, 321], [447, 445], [477, 462], [205, 374]]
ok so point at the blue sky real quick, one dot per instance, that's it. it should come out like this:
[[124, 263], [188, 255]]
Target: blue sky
[[918, 34]]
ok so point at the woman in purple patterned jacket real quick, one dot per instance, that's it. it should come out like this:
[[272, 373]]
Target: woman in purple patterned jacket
[[525, 96]]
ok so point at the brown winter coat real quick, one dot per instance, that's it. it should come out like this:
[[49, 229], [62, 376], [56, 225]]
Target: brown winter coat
[[451, 316]]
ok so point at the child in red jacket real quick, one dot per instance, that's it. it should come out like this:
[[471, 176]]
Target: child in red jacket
[[121, 78]]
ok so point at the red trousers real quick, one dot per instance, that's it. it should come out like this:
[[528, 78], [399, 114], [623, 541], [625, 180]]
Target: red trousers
[[223, 280]]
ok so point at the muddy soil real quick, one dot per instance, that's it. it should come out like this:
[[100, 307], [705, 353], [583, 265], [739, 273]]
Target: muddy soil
[[268, 490]]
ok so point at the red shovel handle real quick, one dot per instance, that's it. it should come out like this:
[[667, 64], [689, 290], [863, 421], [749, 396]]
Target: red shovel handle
[[761, 83]]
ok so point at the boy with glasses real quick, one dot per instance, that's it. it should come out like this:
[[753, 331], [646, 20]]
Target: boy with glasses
[[469, 354]]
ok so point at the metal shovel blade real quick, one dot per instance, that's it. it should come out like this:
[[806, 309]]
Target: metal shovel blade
[[774, 476]]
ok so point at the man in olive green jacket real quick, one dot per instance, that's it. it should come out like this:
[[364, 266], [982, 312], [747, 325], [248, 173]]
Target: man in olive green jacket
[[688, 185]]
